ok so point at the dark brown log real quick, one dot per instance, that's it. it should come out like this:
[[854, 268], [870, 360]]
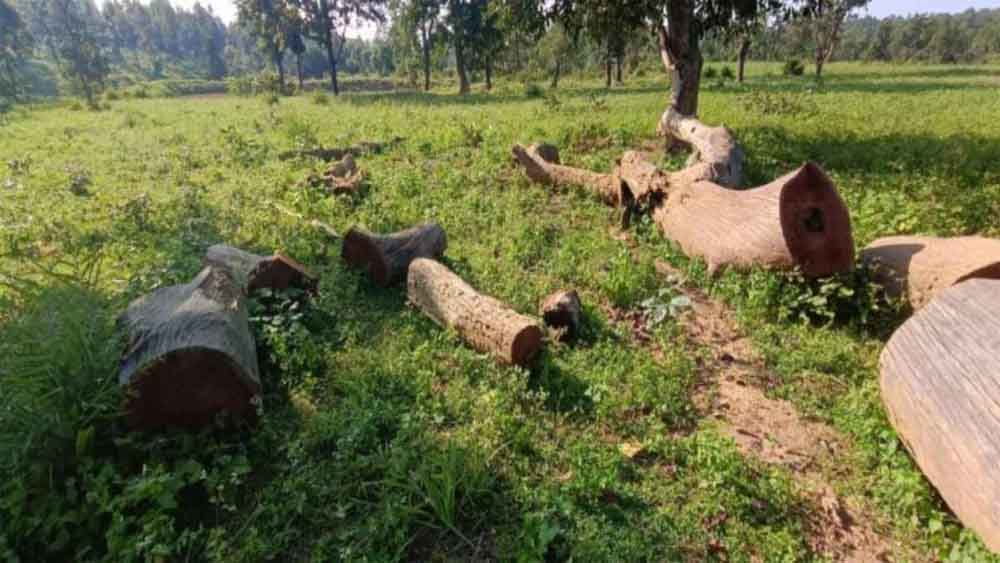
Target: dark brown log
[[717, 155], [562, 311], [547, 172], [485, 323], [797, 221], [254, 272], [360, 149], [940, 381], [387, 257], [191, 357], [918, 268]]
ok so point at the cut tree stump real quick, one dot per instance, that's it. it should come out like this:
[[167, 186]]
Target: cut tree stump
[[387, 258], [485, 323], [940, 381], [254, 272], [191, 357], [918, 268], [717, 156], [562, 311]]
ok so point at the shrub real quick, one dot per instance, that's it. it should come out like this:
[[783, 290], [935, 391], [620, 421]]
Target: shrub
[[533, 90], [321, 98], [727, 73], [711, 73], [111, 96], [793, 67]]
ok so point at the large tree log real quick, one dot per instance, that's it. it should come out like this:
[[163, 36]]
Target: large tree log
[[191, 356], [918, 268], [485, 323], [387, 257], [940, 380], [254, 272], [717, 156]]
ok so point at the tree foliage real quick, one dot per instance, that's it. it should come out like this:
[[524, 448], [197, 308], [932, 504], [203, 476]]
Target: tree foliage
[[15, 45]]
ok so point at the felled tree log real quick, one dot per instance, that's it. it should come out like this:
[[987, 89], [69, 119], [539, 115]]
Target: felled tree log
[[562, 311], [485, 323], [328, 154], [940, 381], [387, 257], [548, 172], [918, 268], [717, 156], [253, 272], [191, 356], [342, 177]]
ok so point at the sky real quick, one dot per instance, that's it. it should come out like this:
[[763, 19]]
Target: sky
[[226, 9]]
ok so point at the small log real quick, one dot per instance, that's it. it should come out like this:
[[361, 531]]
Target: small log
[[485, 323], [918, 268], [342, 177], [255, 272], [940, 382], [562, 311], [797, 221], [606, 186], [191, 356], [717, 155], [328, 154], [387, 257]]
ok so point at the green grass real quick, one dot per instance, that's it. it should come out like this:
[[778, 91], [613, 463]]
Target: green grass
[[382, 436]]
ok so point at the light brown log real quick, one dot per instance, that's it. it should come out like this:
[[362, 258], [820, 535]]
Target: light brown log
[[797, 221], [717, 155], [940, 381], [255, 272], [918, 268], [562, 311], [485, 323], [191, 357], [605, 186], [387, 257]]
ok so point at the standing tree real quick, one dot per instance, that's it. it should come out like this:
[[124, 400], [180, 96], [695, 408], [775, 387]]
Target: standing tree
[[296, 43], [464, 21], [556, 49], [269, 21], [15, 44], [71, 30], [326, 22], [424, 16], [826, 20]]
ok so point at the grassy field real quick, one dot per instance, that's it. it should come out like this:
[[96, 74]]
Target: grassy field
[[382, 437]]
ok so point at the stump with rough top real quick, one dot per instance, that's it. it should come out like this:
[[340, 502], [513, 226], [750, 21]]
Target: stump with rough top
[[562, 311], [254, 272]]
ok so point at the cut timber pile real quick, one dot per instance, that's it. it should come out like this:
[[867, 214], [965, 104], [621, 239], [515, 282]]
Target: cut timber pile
[[485, 323], [190, 356], [387, 257], [254, 272], [918, 268], [940, 380]]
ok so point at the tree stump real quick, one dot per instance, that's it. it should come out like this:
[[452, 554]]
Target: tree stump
[[191, 356], [562, 311], [940, 382], [717, 156], [387, 257], [918, 268], [341, 178], [254, 272], [485, 323]]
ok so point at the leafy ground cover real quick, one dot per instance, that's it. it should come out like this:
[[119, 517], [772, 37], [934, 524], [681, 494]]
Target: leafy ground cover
[[382, 437]]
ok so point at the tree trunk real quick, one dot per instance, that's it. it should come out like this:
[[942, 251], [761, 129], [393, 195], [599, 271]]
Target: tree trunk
[[489, 73], [607, 73], [386, 258], [819, 63], [744, 53], [426, 58], [298, 70], [555, 75], [463, 78], [485, 323], [279, 65], [681, 54], [618, 70], [253, 272], [940, 382], [332, 60], [191, 356], [562, 311], [919, 268]]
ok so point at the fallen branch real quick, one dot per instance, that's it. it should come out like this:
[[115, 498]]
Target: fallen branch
[[191, 357], [717, 156], [254, 272], [918, 268], [387, 257], [485, 323], [361, 149]]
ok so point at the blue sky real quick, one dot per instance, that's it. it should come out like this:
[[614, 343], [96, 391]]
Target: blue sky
[[227, 11]]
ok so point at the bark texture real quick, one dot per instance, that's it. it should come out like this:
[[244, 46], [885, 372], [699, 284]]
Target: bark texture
[[918, 268], [191, 356], [253, 272], [940, 382], [387, 258], [485, 323], [562, 311]]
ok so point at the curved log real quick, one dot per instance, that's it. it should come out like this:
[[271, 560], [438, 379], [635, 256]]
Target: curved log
[[191, 356], [796, 221], [485, 323], [606, 186], [254, 272], [940, 382], [918, 268], [717, 155], [387, 257]]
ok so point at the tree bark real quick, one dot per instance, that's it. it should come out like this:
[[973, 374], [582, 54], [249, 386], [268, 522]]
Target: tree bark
[[485, 323], [618, 70], [279, 63], [940, 382], [387, 258], [714, 147], [191, 357], [562, 311], [425, 35], [919, 268], [463, 78], [489, 73], [607, 73], [681, 53], [298, 70], [253, 272], [744, 53]]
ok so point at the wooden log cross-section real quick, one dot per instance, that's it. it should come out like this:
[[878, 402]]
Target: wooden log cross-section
[[254, 272], [485, 323], [191, 357], [918, 268], [940, 382], [387, 258]]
